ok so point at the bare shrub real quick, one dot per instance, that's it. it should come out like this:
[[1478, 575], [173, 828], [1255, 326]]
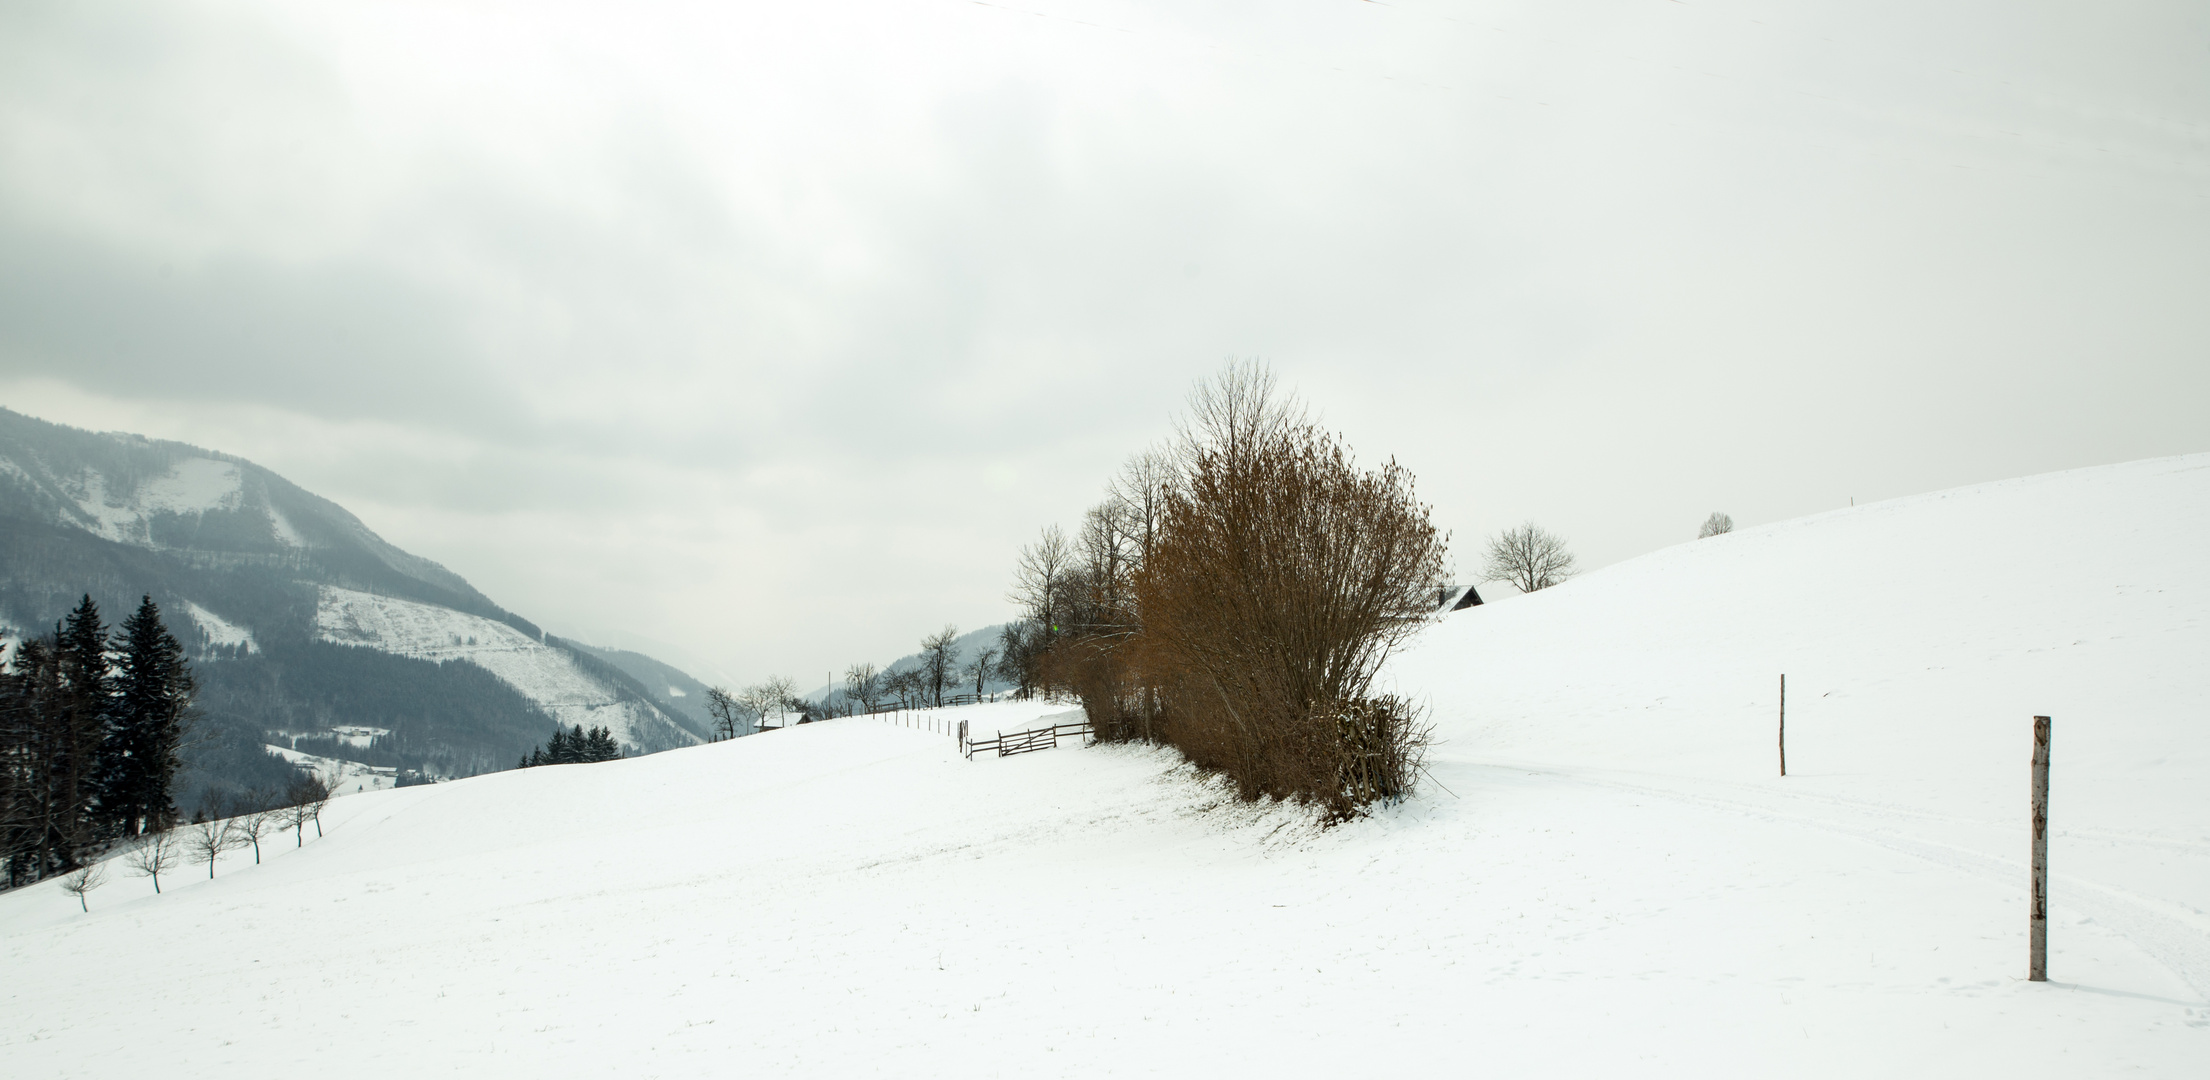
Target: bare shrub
[[1715, 525], [1530, 557], [1281, 577]]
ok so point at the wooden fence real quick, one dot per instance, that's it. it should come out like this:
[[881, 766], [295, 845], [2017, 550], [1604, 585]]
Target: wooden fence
[[1009, 743], [950, 700]]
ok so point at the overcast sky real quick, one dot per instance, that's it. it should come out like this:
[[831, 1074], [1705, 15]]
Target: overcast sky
[[772, 330]]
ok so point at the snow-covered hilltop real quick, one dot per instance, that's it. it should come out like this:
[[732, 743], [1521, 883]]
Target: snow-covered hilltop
[[1605, 878]]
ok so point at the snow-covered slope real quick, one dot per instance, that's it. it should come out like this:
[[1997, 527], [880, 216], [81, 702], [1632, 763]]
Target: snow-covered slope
[[545, 674], [1605, 879]]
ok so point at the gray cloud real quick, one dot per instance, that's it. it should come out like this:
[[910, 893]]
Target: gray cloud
[[813, 314]]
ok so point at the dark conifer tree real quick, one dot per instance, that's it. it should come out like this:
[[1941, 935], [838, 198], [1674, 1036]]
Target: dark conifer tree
[[83, 693], [55, 708], [602, 746], [32, 733], [154, 690]]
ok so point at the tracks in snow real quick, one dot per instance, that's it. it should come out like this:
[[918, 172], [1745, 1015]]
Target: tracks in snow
[[2172, 934]]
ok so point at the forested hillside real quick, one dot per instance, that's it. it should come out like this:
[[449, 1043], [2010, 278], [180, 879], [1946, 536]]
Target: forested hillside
[[268, 588]]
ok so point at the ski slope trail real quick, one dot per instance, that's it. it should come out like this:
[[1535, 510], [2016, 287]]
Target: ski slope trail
[[1607, 876]]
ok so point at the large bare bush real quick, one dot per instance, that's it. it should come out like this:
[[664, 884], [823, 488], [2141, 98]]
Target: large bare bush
[[1280, 578]]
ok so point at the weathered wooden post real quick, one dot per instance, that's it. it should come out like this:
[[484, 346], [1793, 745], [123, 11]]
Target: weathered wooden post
[[1784, 725], [2037, 916]]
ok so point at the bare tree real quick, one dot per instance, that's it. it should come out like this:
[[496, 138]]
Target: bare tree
[[1017, 648], [982, 669], [301, 798], [783, 691], [1530, 557], [87, 878], [325, 789], [1714, 525], [209, 839], [256, 813], [906, 686], [1041, 580], [726, 710], [938, 662], [773, 694], [153, 853], [1139, 495], [863, 684]]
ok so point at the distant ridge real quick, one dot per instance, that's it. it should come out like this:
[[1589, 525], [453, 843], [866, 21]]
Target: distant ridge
[[299, 618]]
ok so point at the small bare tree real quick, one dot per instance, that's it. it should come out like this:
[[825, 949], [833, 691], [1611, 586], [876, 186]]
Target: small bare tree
[[1041, 580], [209, 839], [726, 710], [256, 813], [87, 878], [1139, 494], [939, 665], [772, 694], [154, 852], [906, 686], [300, 800], [1530, 557], [863, 684], [325, 789], [981, 669], [1714, 525]]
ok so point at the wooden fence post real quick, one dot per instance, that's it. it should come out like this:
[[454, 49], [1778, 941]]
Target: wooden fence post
[[1784, 725], [2037, 915]]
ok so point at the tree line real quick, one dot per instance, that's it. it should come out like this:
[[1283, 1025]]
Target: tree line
[[223, 823], [91, 736], [864, 688], [576, 747]]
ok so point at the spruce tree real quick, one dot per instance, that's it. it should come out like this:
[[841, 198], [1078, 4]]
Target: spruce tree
[[68, 689], [31, 730], [154, 690], [602, 746]]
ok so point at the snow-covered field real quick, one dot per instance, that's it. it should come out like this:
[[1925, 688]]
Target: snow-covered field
[[353, 778], [547, 676], [1606, 879]]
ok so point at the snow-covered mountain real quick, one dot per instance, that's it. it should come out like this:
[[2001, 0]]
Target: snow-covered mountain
[[551, 676], [1606, 876], [301, 619]]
